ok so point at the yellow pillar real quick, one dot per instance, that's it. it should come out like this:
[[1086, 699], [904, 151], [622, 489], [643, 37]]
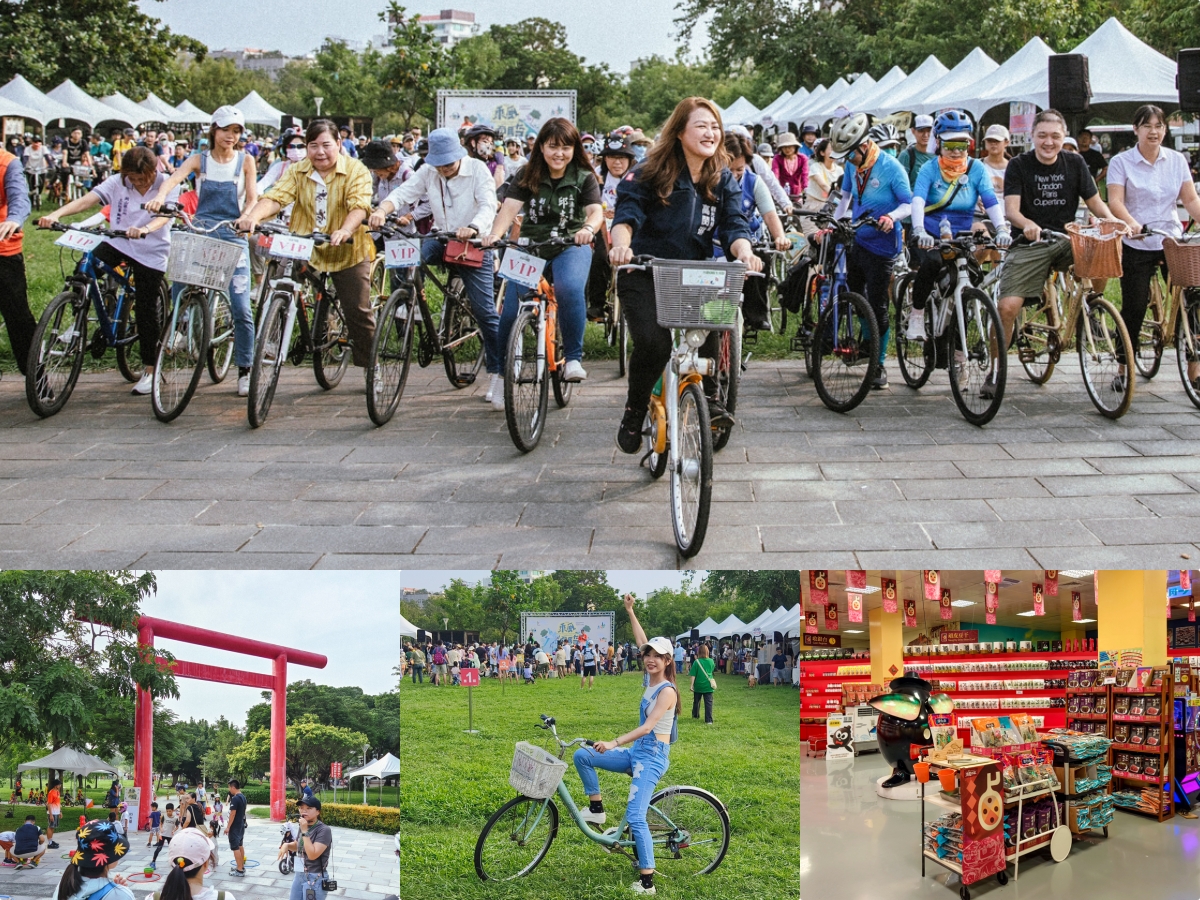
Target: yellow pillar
[[1073, 633], [1133, 613], [887, 645]]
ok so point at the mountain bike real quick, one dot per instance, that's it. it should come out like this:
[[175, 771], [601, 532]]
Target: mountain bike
[[689, 826]]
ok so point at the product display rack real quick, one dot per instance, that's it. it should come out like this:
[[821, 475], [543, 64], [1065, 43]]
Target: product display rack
[[821, 691], [946, 802], [1164, 721]]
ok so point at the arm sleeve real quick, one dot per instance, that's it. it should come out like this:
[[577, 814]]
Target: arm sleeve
[[1012, 178], [904, 194], [630, 203], [732, 221], [918, 212], [271, 176], [803, 172], [1116, 170], [358, 191], [412, 190], [762, 197], [17, 192], [843, 207]]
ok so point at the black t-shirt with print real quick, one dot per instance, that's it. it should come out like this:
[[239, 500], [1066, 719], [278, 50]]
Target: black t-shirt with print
[[1050, 194]]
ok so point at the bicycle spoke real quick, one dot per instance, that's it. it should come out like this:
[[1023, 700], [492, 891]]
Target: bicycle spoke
[[694, 830], [515, 839]]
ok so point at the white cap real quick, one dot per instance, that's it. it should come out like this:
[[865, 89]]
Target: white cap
[[1071, 142], [659, 645], [922, 122], [228, 115], [996, 133]]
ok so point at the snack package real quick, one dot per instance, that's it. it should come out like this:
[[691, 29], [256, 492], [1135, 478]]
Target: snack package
[[1138, 706], [1135, 764], [1153, 736], [1073, 704], [1157, 676], [1028, 823], [1153, 707], [1122, 764], [1073, 680], [1043, 817], [1100, 707], [1124, 676], [1121, 734], [1121, 707], [1024, 727]]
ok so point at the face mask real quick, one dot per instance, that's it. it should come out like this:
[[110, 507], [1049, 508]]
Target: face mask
[[295, 154], [890, 151], [639, 152]]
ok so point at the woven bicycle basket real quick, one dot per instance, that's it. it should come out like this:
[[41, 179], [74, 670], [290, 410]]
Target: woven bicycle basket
[[202, 261], [704, 294], [535, 773], [1097, 249], [1183, 261]]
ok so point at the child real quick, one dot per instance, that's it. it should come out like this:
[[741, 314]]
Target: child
[[168, 831], [528, 673], [128, 823], [118, 825], [155, 824], [218, 810], [7, 839], [99, 849]]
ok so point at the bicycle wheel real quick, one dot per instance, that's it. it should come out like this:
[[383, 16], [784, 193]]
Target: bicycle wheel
[[1152, 337], [691, 472], [269, 356], [56, 356], [331, 342], [775, 310], [1102, 341], [915, 357], [462, 342], [1187, 341], [129, 357], [515, 839], [977, 381], [657, 461], [220, 345], [1037, 342], [696, 826], [526, 387], [391, 354], [728, 376], [182, 353], [807, 328], [562, 389], [845, 351]]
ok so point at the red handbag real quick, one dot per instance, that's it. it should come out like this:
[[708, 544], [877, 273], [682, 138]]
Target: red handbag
[[462, 253]]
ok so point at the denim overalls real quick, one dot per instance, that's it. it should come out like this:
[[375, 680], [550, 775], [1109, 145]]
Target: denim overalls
[[646, 760]]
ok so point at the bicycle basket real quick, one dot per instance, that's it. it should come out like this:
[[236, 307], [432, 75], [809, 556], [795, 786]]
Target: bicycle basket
[[535, 773], [1183, 262], [1097, 249], [203, 261], [82, 171], [705, 294]]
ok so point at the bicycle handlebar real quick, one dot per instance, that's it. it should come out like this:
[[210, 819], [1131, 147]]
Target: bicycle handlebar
[[548, 725], [504, 243], [317, 237], [643, 263], [102, 232], [175, 211], [865, 221]]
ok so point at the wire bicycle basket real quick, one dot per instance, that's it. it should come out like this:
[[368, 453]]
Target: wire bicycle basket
[[202, 261], [705, 294], [535, 773]]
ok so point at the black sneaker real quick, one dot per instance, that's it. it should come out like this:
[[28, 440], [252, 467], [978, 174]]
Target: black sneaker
[[237, 873], [718, 415], [595, 314], [629, 435], [1118, 384], [988, 391], [53, 845], [880, 381]]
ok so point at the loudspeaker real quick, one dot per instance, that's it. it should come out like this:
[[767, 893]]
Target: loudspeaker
[[1070, 88], [695, 634], [421, 635], [1188, 80]]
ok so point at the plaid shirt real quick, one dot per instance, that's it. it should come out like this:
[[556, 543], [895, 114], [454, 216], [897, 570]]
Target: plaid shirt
[[348, 187]]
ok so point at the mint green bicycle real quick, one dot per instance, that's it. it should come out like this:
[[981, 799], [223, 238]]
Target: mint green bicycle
[[688, 825]]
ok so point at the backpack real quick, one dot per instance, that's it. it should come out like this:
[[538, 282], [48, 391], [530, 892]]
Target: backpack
[[439, 657]]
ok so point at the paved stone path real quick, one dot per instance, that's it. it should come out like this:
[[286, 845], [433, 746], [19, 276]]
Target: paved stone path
[[900, 481], [365, 865]]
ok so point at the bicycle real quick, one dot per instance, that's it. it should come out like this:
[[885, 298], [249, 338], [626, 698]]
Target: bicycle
[[1042, 333], [295, 291], [1160, 321], [837, 332], [1182, 262], [96, 292], [692, 299], [77, 181], [963, 332], [615, 331], [689, 824]]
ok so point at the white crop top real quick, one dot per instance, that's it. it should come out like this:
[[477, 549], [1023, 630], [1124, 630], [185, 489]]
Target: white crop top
[[663, 726]]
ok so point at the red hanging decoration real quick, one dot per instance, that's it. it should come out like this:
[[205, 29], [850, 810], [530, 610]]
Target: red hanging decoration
[[991, 576], [991, 601], [810, 622], [831, 617], [1076, 606], [854, 607], [856, 578], [946, 604], [932, 584], [818, 586], [1051, 582], [910, 613], [1185, 579], [888, 585], [1039, 600]]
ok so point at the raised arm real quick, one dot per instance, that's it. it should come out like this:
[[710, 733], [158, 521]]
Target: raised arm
[[639, 634]]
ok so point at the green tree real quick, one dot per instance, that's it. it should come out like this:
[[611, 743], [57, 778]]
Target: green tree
[[504, 601], [210, 83], [478, 63], [749, 592], [535, 55], [1166, 25], [348, 81], [311, 747], [225, 740], [409, 76], [656, 85]]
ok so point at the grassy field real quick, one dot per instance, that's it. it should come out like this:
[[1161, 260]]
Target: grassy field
[[452, 782]]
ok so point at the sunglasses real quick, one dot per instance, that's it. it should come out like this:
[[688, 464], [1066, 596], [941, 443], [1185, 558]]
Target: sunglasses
[[956, 146]]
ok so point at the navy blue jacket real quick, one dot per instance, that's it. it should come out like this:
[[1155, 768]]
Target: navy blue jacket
[[683, 229]]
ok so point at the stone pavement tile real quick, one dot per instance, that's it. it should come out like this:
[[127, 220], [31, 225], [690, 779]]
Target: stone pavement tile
[[788, 491], [44, 539], [335, 539], [612, 512], [928, 489], [220, 490], [1158, 556], [17, 512], [993, 435], [1171, 504], [931, 451], [1110, 430], [652, 539], [42, 451], [1021, 468], [863, 512], [1146, 531], [852, 471], [194, 448], [400, 490], [437, 514], [549, 542], [66, 559], [801, 454], [1068, 450], [411, 453], [1046, 533], [311, 471], [1095, 485], [896, 536], [1172, 447], [1189, 432], [523, 469], [1137, 465], [1016, 509], [281, 512], [80, 488], [530, 491], [281, 454], [718, 559], [626, 469], [168, 559], [184, 469], [1004, 557], [879, 440], [55, 469], [97, 512], [116, 536], [480, 560]]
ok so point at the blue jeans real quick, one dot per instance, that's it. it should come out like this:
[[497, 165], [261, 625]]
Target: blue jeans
[[300, 883], [568, 272], [238, 292], [479, 284], [647, 761]]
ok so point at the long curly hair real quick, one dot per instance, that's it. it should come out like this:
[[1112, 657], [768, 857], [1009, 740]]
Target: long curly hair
[[666, 160]]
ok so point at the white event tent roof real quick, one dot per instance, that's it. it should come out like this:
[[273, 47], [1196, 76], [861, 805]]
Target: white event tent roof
[[190, 114], [160, 110], [913, 89], [92, 111], [47, 109], [849, 98], [740, 112], [886, 85], [135, 113], [800, 113], [258, 111], [768, 111], [786, 113], [67, 759], [997, 87], [974, 66], [406, 628]]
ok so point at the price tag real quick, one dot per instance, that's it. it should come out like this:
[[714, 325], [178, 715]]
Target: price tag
[[80, 240], [290, 247], [709, 278], [522, 268], [401, 253]]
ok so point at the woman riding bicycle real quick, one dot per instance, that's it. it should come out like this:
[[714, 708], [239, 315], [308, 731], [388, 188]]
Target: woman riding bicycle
[[225, 187], [649, 749], [669, 207], [561, 198]]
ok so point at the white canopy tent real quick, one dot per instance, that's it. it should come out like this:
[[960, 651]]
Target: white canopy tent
[[136, 114], [800, 113], [974, 66], [160, 110], [883, 88], [189, 114], [787, 112], [705, 628], [258, 111], [913, 89], [407, 629], [386, 766], [67, 759], [861, 87], [766, 114], [48, 109], [784, 621], [95, 111], [730, 627], [13, 109], [757, 621], [996, 87], [740, 112]]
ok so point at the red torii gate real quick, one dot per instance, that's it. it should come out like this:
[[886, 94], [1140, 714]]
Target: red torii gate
[[143, 742]]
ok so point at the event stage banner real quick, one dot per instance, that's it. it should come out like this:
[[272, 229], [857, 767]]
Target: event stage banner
[[551, 629]]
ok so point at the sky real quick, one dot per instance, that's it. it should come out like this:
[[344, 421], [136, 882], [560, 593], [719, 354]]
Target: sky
[[615, 32], [350, 617]]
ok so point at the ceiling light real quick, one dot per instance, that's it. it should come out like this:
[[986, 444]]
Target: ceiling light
[[1077, 573], [1085, 620], [1029, 613], [851, 631], [962, 603], [869, 589]]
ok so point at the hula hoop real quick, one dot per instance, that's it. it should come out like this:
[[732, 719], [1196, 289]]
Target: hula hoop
[[143, 878], [250, 863]]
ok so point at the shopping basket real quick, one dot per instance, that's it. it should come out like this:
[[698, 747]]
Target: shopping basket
[[1183, 261], [83, 173], [202, 261], [704, 294], [1097, 249], [535, 773]]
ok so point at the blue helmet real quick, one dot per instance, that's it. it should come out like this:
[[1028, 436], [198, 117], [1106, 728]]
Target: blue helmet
[[953, 124]]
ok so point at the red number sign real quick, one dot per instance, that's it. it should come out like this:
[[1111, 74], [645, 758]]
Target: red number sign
[[468, 677]]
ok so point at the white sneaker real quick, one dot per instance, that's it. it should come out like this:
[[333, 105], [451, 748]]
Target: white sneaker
[[145, 384], [595, 818], [916, 325], [498, 393], [495, 384], [378, 383], [638, 889], [574, 371], [243, 385]]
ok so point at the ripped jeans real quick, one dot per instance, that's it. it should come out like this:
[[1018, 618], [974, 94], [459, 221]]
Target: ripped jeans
[[646, 760], [238, 292]]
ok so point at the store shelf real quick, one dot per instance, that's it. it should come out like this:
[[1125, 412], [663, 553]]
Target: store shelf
[[949, 864], [1086, 717], [1141, 748], [1161, 780], [1152, 719], [1037, 842]]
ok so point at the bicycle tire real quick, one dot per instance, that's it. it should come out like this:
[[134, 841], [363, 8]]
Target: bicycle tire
[[458, 330], [285, 866], [622, 346], [526, 387], [331, 342], [1099, 370], [269, 357], [562, 389], [807, 327], [1038, 344], [846, 352], [916, 358], [775, 311], [982, 328], [728, 377], [691, 472], [1148, 355], [1187, 347], [551, 821], [657, 461], [660, 806], [68, 309], [182, 355], [391, 355], [221, 340], [126, 330]]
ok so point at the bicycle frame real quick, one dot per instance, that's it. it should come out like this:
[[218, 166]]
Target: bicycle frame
[[686, 367], [88, 272], [942, 309]]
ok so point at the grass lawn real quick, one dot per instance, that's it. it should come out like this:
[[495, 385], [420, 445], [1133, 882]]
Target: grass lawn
[[454, 781]]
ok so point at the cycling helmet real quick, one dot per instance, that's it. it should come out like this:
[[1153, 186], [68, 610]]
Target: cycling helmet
[[884, 134], [286, 137], [953, 125], [847, 134], [478, 131]]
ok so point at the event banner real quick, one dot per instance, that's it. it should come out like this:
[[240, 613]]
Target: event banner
[[945, 603], [512, 114], [552, 629], [818, 586], [1039, 600]]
